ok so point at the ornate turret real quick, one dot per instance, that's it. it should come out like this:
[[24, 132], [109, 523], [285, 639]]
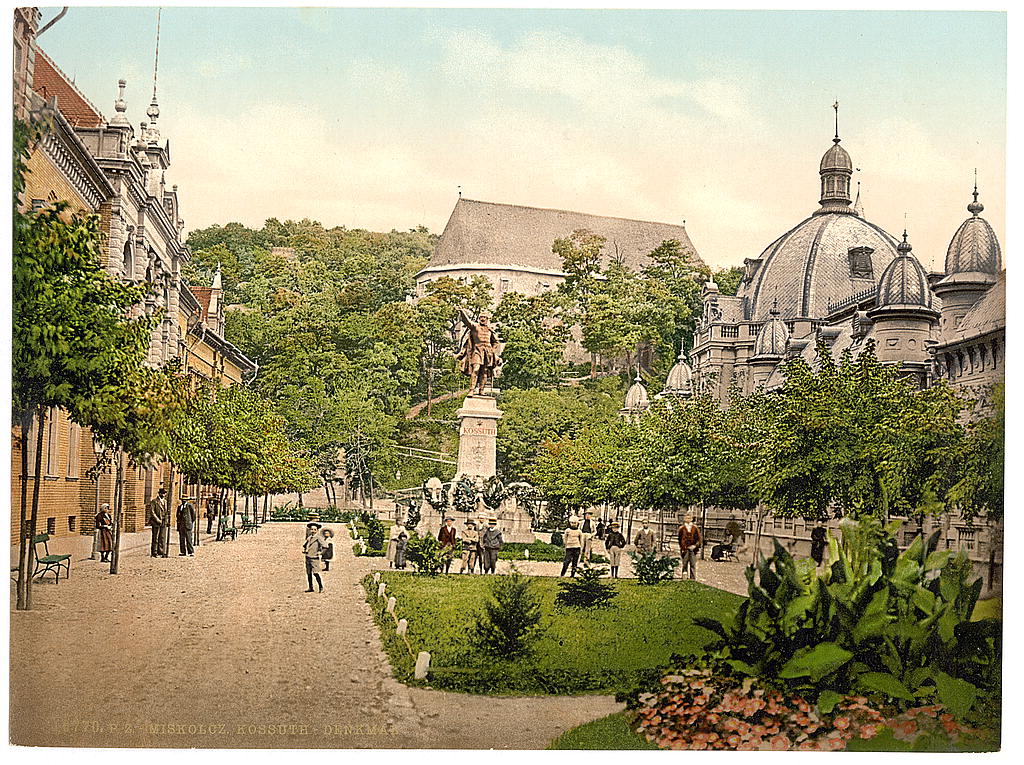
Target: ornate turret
[[679, 383], [637, 400], [836, 170], [770, 346], [903, 316], [973, 264], [120, 107]]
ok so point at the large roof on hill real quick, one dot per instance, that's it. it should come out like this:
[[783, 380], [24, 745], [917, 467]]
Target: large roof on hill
[[487, 233], [49, 81]]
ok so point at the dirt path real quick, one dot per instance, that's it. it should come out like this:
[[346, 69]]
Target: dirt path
[[227, 650]]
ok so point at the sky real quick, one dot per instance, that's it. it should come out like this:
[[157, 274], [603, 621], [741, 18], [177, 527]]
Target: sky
[[375, 118]]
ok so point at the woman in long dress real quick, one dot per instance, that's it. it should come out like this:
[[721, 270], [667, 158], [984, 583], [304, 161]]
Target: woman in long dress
[[105, 526], [392, 545]]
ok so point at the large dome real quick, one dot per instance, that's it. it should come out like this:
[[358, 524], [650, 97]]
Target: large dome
[[824, 260], [974, 250]]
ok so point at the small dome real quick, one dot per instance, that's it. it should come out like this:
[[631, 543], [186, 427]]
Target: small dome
[[974, 248], [636, 396], [773, 339], [680, 378], [836, 158], [904, 283]]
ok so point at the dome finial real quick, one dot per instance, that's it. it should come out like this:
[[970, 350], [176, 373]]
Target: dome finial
[[975, 207], [904, 246], [836, 107], [775, 307]]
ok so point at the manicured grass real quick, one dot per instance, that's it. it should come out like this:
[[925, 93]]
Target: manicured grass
[[611, 732], [540, 551], [597, 650]]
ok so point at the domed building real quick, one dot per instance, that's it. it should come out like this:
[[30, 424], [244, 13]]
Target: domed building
[[837, 277]]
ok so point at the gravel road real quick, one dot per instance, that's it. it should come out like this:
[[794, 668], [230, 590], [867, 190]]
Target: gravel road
[[227, 650]]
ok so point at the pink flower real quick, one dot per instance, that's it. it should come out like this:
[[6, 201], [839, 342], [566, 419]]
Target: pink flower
[[842, 723], [733, 741], [868, 731], [780, 742]]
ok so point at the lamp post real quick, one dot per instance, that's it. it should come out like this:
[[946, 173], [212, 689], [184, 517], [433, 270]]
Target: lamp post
[[98, 450]]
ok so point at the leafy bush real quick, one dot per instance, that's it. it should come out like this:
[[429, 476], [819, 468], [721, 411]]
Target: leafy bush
[[557, 539], [650, 567], [289, 511], [425, 553], [511, 619], [705, 709], [889, 626], [586, 590], [413, 518], [375, 533], [348, 516]]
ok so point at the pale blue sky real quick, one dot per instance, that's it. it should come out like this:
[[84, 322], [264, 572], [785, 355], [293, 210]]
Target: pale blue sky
[[373, 117]]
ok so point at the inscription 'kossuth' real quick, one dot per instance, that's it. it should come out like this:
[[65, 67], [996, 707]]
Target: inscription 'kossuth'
[[471, 431]]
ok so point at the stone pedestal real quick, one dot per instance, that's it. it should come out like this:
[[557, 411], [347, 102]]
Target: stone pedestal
[[478, 434]]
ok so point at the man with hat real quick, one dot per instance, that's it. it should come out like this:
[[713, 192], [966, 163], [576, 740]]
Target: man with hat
[[613, 543], [186, 521], [491, 541], [447, 536], [470, 541], [573, 539], [644, 539], [312, 548], [689, 543], [158, 518]]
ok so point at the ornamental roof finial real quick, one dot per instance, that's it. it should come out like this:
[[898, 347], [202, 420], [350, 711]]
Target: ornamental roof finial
[[836, 107], [975, 207]]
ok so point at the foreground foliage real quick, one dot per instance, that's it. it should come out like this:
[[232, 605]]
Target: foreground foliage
[[895, 627]]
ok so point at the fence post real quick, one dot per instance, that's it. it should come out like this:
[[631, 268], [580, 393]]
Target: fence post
[[381, 588], [422, 665], [403, 627], [391, 604]]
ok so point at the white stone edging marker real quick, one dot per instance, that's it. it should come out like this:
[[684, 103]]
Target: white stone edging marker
[[422, 665], [403, 627], [381, 588], [376, 577], [392, 602]]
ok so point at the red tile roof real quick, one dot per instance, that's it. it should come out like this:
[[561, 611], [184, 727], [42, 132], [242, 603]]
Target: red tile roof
[[203, 296], [50, 81]]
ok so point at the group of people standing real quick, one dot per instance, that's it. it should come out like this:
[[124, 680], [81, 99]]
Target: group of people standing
[[158, 515], [480, 546], [579, 540]]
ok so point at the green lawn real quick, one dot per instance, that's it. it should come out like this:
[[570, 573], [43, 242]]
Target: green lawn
[[983, 609], [611, 732], [542, 551], [602, 650]]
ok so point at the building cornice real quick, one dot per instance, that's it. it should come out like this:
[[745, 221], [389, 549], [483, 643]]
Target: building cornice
[[69, 155]]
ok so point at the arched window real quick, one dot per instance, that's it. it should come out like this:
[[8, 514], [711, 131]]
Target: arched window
[[129, 261]]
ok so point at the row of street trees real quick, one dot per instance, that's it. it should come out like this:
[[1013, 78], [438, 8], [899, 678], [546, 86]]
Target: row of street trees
[[79, 343], [848, 435]]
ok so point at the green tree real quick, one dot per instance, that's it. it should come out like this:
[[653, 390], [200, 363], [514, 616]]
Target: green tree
[[857, 435], [534, 341], [978, 463], [72, 346]]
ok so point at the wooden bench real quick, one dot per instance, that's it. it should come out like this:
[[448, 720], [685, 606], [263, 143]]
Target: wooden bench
[[228, 531], [47, 562], [248, 526]]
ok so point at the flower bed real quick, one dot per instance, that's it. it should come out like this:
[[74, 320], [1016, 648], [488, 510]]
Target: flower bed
[[696, 709]]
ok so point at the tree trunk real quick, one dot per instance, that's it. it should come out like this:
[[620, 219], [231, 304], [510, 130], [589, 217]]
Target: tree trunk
[[703, 525], [115, 555], [41, 417], [371, 490], [221, 508], [761, 512], [170, 509], [300, 501], [25, 542]]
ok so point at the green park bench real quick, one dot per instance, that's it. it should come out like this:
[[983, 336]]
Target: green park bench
[[248, 526], [47, 562], [229, 531]]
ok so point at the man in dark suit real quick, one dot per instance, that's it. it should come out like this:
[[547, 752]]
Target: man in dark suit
[[158, 518], [447, 536], [690, 542], [186, 521]]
